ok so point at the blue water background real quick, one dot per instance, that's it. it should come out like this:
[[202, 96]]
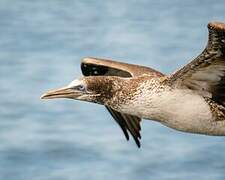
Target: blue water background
[[41, 45]]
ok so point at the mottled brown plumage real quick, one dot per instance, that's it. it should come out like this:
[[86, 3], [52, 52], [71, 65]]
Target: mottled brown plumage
[[191, 99], [108, 69]]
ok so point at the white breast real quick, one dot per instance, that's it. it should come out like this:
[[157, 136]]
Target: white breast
[[182, 110], [179, 109]]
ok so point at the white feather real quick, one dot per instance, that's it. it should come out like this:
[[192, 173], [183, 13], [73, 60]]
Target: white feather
[[74, 83]]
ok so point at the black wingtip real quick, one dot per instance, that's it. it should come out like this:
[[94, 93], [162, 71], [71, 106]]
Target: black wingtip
[[121, 124], [127, 125], [126, 134], [138, 143]]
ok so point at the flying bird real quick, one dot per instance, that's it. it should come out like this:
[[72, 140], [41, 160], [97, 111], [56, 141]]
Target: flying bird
[[190, 100]]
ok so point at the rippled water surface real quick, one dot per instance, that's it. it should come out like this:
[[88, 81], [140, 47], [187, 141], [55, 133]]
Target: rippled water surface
[[41, 45]]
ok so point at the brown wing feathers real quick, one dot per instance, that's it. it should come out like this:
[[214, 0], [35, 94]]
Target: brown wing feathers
[[217, 37], [96, 66], [206, 73], [117, 118], [101, 67], [127, 123]]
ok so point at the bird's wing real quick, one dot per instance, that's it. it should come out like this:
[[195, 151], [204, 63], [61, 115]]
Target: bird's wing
[[127, 123], [99, 67], [206, 73], [102, 67]]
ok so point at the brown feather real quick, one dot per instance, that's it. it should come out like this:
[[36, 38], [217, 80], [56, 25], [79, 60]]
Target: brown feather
[[102, 67], [206, 73]]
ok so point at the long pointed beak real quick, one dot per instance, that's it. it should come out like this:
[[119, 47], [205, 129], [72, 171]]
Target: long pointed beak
[[64, 92]]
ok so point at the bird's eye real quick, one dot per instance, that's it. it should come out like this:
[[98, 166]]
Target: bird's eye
[[81, 88]]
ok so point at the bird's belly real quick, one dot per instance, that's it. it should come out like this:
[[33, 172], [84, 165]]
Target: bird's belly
[[183, 111]]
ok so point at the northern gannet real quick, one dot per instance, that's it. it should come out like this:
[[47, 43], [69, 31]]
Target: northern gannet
[[191, 100]]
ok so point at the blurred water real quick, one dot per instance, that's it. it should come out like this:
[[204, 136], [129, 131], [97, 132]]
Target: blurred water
[[41, 44]]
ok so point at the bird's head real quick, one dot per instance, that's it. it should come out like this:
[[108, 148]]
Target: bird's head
[[97, 89]]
